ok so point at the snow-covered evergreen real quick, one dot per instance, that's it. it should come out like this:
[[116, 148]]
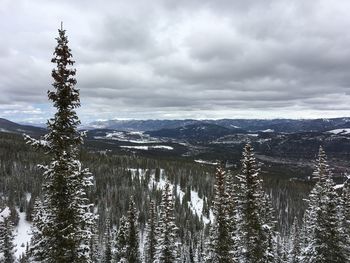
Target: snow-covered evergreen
[[345, 212], [221, 245], [295, 243], [63, 221], [322, 225], [7, 247], [152, 234], [167, 245], [108, 243], [121, 242], [255, 222], [133, 249]]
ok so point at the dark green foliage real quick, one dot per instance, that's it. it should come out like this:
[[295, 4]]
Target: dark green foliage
[[167, 247], [133, 254], [107, 258], [121, 241], [254, 213], [64, 222], [221, 243], [6, 240], [151, 240], [322, 241]]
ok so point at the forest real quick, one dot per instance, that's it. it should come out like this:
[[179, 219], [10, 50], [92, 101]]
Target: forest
[[92, 206]]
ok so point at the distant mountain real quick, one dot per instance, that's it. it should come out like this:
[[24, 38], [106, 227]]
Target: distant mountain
[[12, 127], [198, 131], [139, 125], [253, 125], [287, 125]]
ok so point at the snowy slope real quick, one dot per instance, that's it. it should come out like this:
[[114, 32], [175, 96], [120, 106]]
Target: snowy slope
[[196, 204], [340, 131], [22, 234]]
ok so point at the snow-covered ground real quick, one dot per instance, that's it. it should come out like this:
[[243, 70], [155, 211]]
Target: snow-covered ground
[[133, 137], [206, 162], [268, 130], [22, 234], [196, 204], [340, 131], [146, 148]]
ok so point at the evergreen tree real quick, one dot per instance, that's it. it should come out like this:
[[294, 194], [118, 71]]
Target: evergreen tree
[[7, 248], [345, 206], [255, 234], [322, 221], [220, 233], [107, 258], [121, 249], [166, 246], [295, 248], [231, 190], [151, 240], [64, 222], [133, 253]]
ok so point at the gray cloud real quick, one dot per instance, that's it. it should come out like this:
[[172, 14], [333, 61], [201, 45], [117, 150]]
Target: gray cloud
[[181, 59]]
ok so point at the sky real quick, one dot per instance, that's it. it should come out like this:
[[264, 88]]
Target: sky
[[177, 59]]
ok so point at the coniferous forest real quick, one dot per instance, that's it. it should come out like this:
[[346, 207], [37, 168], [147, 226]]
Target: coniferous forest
[[89, 206]]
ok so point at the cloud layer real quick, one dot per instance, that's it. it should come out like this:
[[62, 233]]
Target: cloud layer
[[180, 59]]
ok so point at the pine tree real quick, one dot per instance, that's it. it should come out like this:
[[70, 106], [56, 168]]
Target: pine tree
[[255, 234], [133, 254], [107, 258], [151, 241], [7, 248], [167, 247], [322, 221], [64, 222], [345, 206], [295, 243], [231, 192], [120, 253], [39, 241], [269, 231], [220, 233]]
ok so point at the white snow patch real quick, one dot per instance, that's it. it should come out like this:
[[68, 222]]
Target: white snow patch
[[338, 186], [268, 130], [4, 213], [146, 148], [28, 196], [22, 234], [206, 162], [136, 147], [340, 131], [132, 136]]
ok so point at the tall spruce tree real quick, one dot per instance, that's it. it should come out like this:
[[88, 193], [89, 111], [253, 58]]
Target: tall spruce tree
[[107, 256], [63, 221], [322, 221], [253, 228], [133, 249], [231, 193], [152, 235], [7, 248], [121, 242], [220, 233], [167, 246], [295, 243], [345, 206]]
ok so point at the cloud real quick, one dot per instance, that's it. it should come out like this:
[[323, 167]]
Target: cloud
[[181, 59]]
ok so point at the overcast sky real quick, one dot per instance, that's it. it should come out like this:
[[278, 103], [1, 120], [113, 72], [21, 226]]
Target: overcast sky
[[171, 59]]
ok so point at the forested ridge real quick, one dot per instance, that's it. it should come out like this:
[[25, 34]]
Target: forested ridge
[[136, 209]]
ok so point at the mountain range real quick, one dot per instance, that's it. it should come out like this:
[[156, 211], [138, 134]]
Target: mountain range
[[251, 125]]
